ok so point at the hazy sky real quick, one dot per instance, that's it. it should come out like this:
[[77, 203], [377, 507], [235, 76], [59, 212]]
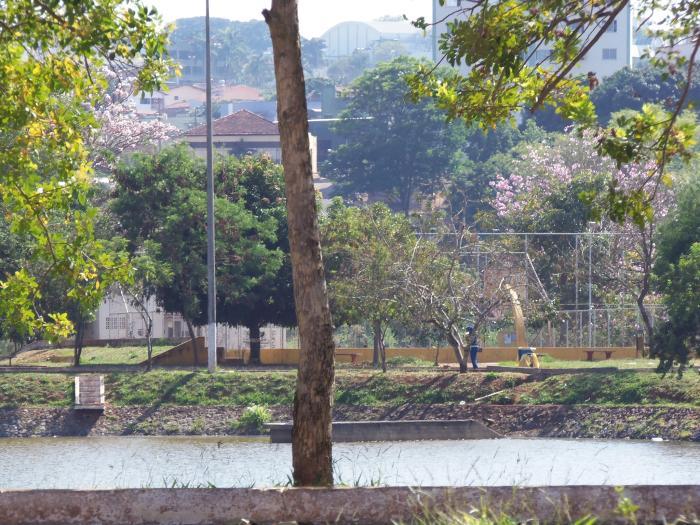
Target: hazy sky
[[315, 16]]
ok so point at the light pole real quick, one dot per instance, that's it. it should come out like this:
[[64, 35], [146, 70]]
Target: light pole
[[211, 253], [591, 224]]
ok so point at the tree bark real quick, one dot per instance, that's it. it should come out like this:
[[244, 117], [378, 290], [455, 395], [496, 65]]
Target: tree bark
[[149, 342], [254, 337], [78, 344], [377, 329], [459, 352], [313, 400], [193, 342]]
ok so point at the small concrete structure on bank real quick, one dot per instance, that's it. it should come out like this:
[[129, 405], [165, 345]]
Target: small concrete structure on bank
[[349, 431]]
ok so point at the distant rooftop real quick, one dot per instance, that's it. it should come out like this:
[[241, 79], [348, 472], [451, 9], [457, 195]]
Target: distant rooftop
[[241, 122]]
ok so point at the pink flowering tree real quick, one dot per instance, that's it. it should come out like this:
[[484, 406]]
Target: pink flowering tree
[[556, 186], [120, 129]]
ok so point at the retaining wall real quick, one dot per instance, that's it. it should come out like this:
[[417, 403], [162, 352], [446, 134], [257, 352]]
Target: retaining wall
[[350, 431], [290, 356], [369, 506]]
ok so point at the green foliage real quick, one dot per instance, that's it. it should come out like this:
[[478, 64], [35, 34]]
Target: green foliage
[[497, 43], [393, 146], [361, 246], [632, 88], [51, 55], [254, 418], [622, 388], [677, 273], [161, 199]]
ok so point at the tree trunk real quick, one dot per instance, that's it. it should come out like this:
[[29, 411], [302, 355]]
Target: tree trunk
[[193, 342], [382, 351], [377, 329], [78, 344], [313, 401], [646, 320], [254, 337], [149, 343], [459, 352]]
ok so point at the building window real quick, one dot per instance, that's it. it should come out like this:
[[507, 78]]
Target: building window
[[610, 54], [612, 28], [453, 3]]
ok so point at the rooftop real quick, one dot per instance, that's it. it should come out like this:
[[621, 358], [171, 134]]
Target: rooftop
[[241, 122]]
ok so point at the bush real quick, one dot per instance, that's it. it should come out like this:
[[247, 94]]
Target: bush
[[253, 419]]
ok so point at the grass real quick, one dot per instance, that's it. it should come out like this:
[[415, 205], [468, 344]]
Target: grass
[[549, 362], [358, 388], [621, 388], [92, 355]]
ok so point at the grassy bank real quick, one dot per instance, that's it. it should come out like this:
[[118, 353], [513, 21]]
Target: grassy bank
[[91, 355], [359, 388]]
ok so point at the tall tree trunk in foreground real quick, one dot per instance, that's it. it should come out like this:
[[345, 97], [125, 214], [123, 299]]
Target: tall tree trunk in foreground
[[313, 401]]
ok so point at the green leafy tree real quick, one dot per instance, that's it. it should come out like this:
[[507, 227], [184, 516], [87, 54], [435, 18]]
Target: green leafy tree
[[497, 42], [166, 191], [632, 88], [362, 247], [677, 271], [346, 69], [51, 55], [258, 182], [393, 146]]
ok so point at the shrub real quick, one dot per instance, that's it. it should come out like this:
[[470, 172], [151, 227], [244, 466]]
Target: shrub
[[253, 419]]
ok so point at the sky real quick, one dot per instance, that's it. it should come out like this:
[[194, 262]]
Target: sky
[[315, 16]]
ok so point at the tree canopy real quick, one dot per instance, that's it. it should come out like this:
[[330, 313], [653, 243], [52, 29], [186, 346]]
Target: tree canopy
[[393, 146], [497, 41], [52, 55], [161, 199]]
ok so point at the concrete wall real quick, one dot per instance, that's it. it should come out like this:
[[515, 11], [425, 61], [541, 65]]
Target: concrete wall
[[182, 355], [407, 430], [290, 356], [369, 506]]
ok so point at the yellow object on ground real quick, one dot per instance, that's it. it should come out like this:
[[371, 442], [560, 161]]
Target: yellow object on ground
[[530, 361]]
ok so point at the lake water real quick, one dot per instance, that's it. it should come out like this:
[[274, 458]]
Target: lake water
[[134, 462]]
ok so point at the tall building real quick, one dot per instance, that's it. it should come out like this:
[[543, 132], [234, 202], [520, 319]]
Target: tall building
[[615, 50]]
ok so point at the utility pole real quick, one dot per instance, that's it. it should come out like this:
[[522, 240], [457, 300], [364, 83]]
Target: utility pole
[[211, 252], [590, 284]]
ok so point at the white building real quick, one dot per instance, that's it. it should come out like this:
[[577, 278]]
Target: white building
[[346, 37], [615, 50], [118, 319]]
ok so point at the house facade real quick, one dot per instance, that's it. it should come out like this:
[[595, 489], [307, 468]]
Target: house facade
[[241, 133]]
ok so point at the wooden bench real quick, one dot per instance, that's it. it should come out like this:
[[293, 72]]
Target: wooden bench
[[353, 356], [589, 354]]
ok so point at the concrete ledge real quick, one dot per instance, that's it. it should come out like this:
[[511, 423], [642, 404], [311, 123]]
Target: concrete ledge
[[407, 430], [369, 506]]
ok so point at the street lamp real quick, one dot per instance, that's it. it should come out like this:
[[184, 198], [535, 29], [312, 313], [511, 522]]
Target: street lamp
[[211, 262], [591, 225]]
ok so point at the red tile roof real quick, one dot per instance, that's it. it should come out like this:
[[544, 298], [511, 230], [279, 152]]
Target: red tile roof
[[241, 122]]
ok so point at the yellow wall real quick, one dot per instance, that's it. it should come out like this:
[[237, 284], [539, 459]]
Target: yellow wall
[[290, 356]]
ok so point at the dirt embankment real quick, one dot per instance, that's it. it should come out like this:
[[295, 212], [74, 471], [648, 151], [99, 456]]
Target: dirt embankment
[[514, 420]]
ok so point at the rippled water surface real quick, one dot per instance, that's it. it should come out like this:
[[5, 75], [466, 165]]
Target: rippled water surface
[[121, 462]]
